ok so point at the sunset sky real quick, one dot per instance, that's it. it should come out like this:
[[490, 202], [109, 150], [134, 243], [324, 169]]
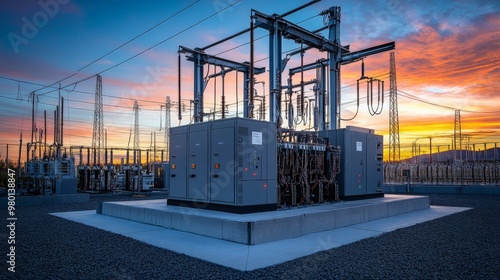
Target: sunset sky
[[447, 58]]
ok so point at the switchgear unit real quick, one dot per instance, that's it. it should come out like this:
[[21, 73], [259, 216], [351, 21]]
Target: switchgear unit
[[361, 168], [227, 165]]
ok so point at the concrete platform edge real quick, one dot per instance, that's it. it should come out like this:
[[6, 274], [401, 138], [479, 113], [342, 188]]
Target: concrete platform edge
[[269, 226]]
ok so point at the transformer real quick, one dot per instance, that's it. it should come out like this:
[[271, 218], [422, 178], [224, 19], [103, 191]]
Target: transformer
[[361, 172], [227, 164]]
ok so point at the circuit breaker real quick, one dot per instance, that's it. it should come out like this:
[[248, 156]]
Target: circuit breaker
[[227, 165], [361, 168]]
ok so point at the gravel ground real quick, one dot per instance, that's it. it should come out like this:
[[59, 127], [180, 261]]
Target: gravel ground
[[465, 245]]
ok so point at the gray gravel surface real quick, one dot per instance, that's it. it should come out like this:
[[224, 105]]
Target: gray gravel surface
[[465, 245]]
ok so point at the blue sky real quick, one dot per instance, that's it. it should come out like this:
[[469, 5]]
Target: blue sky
[[446, 53]]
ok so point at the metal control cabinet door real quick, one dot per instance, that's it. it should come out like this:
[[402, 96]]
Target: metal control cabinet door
[[197, 168], [178, 165], [222, 165], [355, 163], [250, 153], [374, 168]]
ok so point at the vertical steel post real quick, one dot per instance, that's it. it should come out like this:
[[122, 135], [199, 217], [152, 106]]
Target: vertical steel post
[[45, 132], [334, 62], [19, 161], [321, 99], [251, 77], [275, 74], [179, 101], [246, 85], [198, 88], [61, 139]]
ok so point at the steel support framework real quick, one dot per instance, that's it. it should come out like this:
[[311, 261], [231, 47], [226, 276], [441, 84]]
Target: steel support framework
[[98, 126], [200, 58], [394, 146], [337, 55]]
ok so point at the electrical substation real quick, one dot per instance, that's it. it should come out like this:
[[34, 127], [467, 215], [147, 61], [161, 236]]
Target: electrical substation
[[261, 176], [250, 163], [262, 167], [243, 165], [304, 157]]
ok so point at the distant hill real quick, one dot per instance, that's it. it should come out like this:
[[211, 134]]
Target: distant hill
[[492, 154]]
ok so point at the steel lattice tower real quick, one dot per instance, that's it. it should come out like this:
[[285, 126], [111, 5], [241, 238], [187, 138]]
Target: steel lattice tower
[[136, 125], [98, 130], [457, 135], [394, 147]]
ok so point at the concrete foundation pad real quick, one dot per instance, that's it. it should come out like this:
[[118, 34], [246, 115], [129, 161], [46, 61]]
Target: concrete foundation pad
[[258, 228], [250, 257]]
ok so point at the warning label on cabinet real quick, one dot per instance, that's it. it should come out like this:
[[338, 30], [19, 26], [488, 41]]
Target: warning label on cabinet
[[359, 146], [256, 138]]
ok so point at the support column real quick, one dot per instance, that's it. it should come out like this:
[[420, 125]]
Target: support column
[[246, 95], [321, 99], [275, 74], [334, 62], [198, 88]]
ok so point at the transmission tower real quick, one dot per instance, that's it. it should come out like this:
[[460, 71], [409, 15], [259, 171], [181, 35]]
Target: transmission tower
[[394, 147], [136, 126], [457, 136], [98, 131]]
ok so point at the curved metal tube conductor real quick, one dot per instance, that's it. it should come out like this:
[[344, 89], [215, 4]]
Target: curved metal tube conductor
[[357, 103], [369, 94], [369, 97]]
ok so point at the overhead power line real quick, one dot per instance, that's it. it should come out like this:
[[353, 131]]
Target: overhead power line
[[123, 45], [148, 49], [413, 97]]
